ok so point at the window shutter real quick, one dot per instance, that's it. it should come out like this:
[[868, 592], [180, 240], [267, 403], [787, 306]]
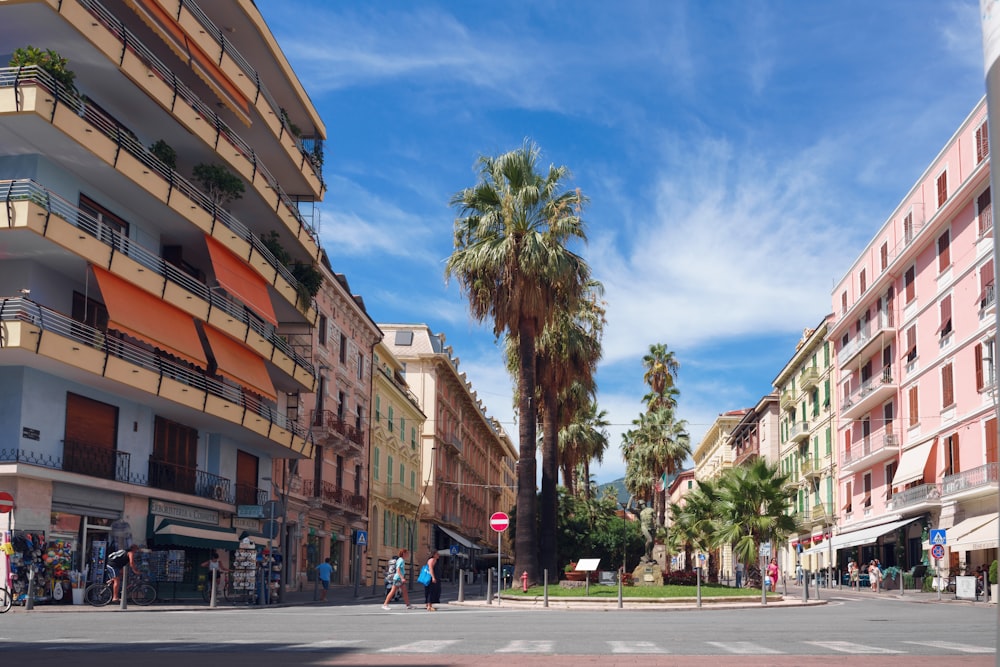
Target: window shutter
[[944, 251], [942, 188], [984, 205], [947, 387], [914, 412], [945, 327], [979, 366], [982, 143]]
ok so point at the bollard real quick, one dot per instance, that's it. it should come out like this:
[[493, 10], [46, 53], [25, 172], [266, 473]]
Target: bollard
[[524, 581], [123, 591], [29, 600], [817, 585], [698, 575], [901, 583], [805, 589], [545, 587], [784, 585], [489, 586], [213, 599], [461, 587], [621, 577]]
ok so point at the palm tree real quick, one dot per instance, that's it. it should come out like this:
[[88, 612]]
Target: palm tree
[[661, 371], [583, 440], [752, 508], [656, 448], [693, 525], [512, 262]]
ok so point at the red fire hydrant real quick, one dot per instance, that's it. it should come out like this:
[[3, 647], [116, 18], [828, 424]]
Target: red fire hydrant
[[524, 581]]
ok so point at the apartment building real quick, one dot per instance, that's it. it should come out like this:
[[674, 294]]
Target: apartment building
[[913, 330], [396, 481], [467, 456], [154, 322], [756, 435], [679, 487], [806, 449]]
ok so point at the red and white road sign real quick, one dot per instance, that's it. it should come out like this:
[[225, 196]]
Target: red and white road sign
[[6, 502], [499, 521], [937, 551]]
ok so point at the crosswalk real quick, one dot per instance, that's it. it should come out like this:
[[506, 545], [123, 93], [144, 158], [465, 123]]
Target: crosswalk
[[515, 647]]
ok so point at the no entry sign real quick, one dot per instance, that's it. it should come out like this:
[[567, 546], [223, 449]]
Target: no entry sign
[[499, 521], [6, 502]]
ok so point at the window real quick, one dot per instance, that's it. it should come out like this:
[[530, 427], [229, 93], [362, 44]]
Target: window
[[343, 349], [402, 474], [952, 465], [987, 288], [911, 343], [321, 330], [848, 499], [984, 364], [843, 302], [829, 441], [890, 472], [945, 309], [413, 437], [390, 420], [982, 143], [375, 465], [90, 312], [359, 418], [883, 255], [378, 408], [361, 365], [908, 227], [413, 480], [247, 474], [341, 405], [944, 251], [867, 480], [111, 229], [947, 386], [984, 206], [912, 400], [388, 470], [402, 429], [862, 281], [942, 188], [909, 289]]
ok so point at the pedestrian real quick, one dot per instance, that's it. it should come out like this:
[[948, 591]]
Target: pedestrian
[[874, 576], [432, 589], [739, 575], [116, 584], [799, 572], [772, 574], [398, 581], [854, 575], [215, 569], [323, 571]]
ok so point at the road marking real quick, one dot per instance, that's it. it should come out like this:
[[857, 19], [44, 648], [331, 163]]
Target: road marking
[[527, 646], [853, 647], [317, 646], [952, 646], [634, 647], [422, 646], [744, 648]]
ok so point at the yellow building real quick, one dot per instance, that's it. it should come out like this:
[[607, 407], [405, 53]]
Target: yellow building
[[154, 341]]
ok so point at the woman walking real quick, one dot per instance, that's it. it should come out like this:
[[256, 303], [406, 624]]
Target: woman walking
[[432, 589], [398, 581]]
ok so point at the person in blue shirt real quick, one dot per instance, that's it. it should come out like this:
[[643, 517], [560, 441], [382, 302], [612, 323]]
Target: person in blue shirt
[[324, 570]]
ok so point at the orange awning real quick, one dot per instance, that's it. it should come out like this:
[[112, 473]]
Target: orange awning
[[136, 312], [239, 363], [237, 278]]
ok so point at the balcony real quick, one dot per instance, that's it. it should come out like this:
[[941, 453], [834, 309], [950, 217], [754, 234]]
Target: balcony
[[454, 441], [808, 378], [799, 431], [192, 481], [249, 494], [980, 481], [787, 400], [811, 469], [326, 494], [874, 335], [397, 495], [95, 461], [30, 329], [917, 498], [331, 430], [872, 393], [988, 301], [873, 449]]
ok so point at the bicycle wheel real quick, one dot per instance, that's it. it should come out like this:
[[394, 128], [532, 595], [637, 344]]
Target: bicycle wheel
[[6, 600], [98, 595], [143, 594]]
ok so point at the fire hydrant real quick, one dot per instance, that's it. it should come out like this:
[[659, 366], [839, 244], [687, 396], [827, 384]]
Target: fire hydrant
[[524, 581]]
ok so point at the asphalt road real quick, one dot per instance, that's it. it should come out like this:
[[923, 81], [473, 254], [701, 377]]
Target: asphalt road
[[863, 631]]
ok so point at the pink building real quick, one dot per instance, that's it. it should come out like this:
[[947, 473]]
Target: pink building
[[913, 328]]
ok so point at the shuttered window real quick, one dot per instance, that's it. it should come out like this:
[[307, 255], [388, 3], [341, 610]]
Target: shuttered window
[[947, 387]]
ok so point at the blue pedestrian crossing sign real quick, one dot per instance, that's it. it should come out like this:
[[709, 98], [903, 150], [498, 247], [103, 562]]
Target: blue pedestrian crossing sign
[[361, 537], [454, 550], [938, 536]]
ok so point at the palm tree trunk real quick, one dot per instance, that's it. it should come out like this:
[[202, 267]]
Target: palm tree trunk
[[526, 535], [550, 470]]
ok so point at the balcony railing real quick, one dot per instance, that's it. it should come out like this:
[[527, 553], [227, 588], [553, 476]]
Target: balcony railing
[[15, 77], [868, 387], [185, 479], [981, 476], [330, 424], [338, 497], [249, 494], [798, 431], [26, 189], [95, 461], [808, 377], [17, 309], [787, 400], [873, 444], [989, 297], [917, 495]]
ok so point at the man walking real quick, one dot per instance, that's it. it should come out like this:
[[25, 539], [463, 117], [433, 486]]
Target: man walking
[[739, 575], [324, 570]]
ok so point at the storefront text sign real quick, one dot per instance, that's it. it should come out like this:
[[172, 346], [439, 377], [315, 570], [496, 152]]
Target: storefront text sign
[[185, 512]]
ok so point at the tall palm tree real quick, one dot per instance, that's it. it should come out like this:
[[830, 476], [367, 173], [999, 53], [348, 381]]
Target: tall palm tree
[[693, 525], [661, 372], [513, 263], [584, 440], [657, 447]]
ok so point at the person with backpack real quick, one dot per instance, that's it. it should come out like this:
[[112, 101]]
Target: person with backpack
[[120, 561], [396, 576]]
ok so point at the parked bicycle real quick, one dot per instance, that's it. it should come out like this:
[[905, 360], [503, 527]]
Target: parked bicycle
[[6, 600], [139, 592]]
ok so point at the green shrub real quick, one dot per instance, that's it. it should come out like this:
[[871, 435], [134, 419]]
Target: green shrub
[[165, 153], [49, 61], [993, 572], [222, 185]]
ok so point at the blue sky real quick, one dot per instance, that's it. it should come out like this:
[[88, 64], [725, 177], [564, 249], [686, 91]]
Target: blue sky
[[737, 155]]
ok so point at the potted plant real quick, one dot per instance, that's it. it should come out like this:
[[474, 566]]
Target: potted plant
[[220, 184], [994, 592], [49, 61]]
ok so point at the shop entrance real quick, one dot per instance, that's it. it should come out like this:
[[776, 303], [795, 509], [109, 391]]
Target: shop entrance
[[336, 553]]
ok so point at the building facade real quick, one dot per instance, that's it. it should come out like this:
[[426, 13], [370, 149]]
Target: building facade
[[154, 336], [914, 333]]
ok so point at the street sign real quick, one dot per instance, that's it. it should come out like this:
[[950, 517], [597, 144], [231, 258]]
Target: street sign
[[454, 550], [361, 537], [499, 521], [269, 529], [6, 502], [939, 536], [701, 557], [273, 508], [765, 549], [250, 511], [937, 551]]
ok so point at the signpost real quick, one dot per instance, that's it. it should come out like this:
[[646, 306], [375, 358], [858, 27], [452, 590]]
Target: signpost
[[499, 522], [938, 538]]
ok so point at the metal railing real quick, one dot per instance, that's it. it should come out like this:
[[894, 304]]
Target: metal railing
[[330, 422], [249, 494], [916, 495], [870, 445], [25, 310], [970, 479], [185, 479], [26, 189], [95, 460], [329, 493], [867, 387]]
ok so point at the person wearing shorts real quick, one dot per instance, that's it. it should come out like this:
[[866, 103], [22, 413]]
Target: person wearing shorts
[[323, 571]]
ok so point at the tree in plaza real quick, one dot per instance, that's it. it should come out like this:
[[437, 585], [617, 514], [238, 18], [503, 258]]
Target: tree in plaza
[[583, 440], [693, 524], [661, 370], [513, 263], [752, 508], [657, 446]]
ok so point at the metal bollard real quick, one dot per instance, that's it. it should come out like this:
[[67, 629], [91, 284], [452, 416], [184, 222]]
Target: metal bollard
[[212, 600], [461, 587], [123, 591], [489, 587], [29, 600], [621, 577], [805, 588], [817, 585], [545, 588], [698, 570]]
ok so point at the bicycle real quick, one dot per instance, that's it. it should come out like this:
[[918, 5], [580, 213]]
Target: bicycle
[[139, 591], [6, 600], [224, 590]]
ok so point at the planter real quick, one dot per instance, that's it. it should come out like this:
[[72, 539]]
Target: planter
[[77, 595], [994, 592], [573, 575]]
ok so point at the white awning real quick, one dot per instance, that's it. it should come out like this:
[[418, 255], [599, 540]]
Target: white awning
[[912, 462], [859, 537], [458, 538], [982, 537]]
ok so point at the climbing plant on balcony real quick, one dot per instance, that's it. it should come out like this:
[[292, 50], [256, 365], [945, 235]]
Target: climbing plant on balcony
[[165, 153], [49, 61], [220, 184]]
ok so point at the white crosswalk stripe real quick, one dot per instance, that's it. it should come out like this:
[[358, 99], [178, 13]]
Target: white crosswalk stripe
[[744, 648], [634, 647], [318, 646], [422, 646], [953, 646], [528, 646], [853, 647]]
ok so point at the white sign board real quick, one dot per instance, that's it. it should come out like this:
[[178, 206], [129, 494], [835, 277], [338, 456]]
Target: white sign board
[[965, 588], [587, 564]]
